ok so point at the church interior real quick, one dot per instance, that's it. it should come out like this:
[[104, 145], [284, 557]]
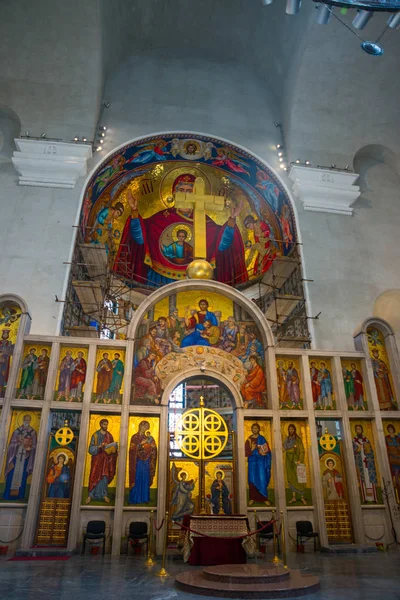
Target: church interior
[[199, 317]]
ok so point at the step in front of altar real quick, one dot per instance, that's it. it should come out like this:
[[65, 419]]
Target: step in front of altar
[[247, 581], [242, 573]]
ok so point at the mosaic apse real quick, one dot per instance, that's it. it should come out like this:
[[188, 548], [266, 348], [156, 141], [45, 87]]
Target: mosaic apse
[[129, 206]]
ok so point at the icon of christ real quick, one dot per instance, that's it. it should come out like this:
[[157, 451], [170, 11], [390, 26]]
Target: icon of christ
[[141, 258]]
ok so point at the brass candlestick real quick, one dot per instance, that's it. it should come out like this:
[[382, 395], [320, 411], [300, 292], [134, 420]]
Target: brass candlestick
[[276, 557], [283, 541], [150, 562]]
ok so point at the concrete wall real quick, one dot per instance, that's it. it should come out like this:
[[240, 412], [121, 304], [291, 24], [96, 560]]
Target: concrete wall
[[160, 94], [50, 65]]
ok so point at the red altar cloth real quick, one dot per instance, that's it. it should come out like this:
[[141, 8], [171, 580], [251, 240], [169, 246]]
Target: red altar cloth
[[215, 550]]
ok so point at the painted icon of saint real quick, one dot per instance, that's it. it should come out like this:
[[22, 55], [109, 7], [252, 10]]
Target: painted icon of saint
[[142, 464]]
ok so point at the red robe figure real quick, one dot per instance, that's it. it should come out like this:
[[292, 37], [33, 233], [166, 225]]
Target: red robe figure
[[147, 384], [315, 384], [262, 238], [6, 350], [254, 385], [78, 378], [104, 453], [104, 375], [358, 388], [142, 258]]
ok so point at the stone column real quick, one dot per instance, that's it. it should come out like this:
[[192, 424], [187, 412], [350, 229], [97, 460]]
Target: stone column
[[24, 326], [163, 463], [80, 461], [35, 493], [240, 466], [315, 476], [123, 447]]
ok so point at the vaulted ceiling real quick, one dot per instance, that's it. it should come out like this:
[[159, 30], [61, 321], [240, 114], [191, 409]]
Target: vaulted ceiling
[[330, 96]]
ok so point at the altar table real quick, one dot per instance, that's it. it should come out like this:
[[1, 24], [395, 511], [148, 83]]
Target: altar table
[[218, 548]]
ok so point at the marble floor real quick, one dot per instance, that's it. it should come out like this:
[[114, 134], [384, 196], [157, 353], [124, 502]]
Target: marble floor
[[350, 577]]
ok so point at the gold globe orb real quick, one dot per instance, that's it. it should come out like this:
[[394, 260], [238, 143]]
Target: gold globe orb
[[199, 269]]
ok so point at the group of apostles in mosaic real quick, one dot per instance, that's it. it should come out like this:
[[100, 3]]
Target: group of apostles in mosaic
[[199, 327]]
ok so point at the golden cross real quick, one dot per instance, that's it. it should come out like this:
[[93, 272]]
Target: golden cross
[[200, 202]]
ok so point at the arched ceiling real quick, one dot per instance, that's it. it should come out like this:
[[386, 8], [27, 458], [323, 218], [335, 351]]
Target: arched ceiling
[[332, 98]]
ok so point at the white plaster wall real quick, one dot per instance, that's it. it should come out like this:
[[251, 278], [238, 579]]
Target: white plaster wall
[[35, 238], [352, 260]]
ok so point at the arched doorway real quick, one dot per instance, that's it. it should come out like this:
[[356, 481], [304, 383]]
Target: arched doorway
[[202, 465]]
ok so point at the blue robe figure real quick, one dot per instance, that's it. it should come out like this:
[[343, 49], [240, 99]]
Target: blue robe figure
[[218, 489], [20, 460], [114, 391], [142, 464], [325, 381], [259, 457], [195, 338], [59, 479], [253, 347]]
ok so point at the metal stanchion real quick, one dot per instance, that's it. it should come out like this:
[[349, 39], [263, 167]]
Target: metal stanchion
[[255, 529], [276, 557], [283, 541], [162, 572], [150, 562]]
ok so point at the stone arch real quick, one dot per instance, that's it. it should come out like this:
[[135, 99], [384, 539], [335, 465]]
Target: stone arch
[[10, 128], [206, 286], [361, 344], [387, 308], [376, 153], [10, 299], [209, 372], [381, 324]]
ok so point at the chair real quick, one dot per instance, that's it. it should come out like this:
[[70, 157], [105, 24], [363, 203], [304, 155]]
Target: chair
[[138, 531], [267, 533], [304, 529], [95, 530]]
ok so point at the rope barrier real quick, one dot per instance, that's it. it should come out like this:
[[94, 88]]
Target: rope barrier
[[11, 541], [236, 537], [158, 528]]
